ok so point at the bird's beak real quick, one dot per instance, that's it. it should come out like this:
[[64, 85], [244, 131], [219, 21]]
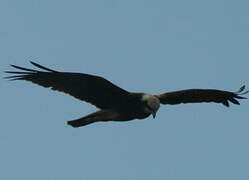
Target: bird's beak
[[154, 115]]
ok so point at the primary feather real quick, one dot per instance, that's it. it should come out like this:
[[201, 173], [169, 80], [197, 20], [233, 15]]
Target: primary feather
[[201, 95], [93, 89]]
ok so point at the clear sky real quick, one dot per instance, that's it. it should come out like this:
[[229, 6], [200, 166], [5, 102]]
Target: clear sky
[[140, 45]]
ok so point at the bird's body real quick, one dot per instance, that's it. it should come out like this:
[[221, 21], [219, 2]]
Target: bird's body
[[134, 107], [115, 103]]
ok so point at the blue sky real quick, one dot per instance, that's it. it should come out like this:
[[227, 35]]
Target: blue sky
[[148, 46]]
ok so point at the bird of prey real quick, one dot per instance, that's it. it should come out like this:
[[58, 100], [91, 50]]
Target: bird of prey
[[115, 103]]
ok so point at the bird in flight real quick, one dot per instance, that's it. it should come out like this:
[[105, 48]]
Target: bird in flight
[[115, 103]]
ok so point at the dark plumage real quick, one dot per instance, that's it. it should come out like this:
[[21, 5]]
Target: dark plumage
[[115, 103]]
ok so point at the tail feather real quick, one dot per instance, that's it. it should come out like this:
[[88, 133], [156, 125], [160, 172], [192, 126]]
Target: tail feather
[[80, 122], [102, 115]]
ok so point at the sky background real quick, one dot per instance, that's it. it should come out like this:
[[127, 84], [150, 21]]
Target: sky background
[[149, 46]]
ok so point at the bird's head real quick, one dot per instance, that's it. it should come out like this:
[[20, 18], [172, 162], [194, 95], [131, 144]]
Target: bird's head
[[152, 104]]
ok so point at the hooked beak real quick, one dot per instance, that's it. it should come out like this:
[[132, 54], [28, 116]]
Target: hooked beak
[[154, 115]]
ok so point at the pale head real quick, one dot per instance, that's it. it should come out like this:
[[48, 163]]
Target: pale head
[[152, 104]]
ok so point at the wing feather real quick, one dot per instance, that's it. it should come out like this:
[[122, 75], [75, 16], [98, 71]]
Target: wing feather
[[202, 95], [93, 89]]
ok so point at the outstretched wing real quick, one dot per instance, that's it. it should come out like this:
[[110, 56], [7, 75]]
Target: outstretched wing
[[202, 95], [93, 89]]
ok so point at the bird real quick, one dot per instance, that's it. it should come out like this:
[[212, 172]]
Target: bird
[[115, 103]]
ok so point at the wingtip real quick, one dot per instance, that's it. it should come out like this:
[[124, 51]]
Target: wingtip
[[14, 66], [242, 90], [225, 103], [13, 78], [22, 68], [32, 62], [42, 67]]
